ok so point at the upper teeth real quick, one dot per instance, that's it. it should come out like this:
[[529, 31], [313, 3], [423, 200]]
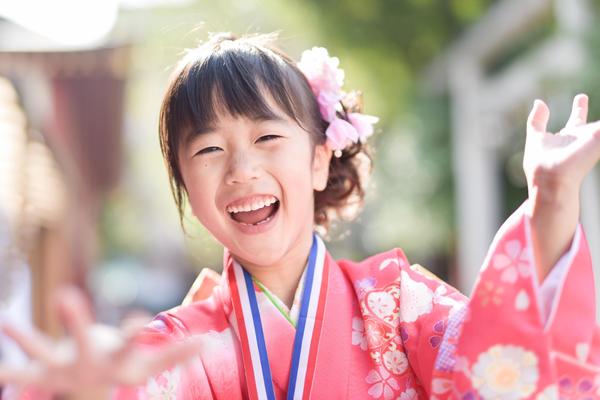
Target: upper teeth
[[251, 206]]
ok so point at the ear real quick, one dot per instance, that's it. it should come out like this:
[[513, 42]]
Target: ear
[[321, 160]]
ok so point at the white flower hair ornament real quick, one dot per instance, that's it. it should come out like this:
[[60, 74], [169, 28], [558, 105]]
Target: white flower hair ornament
[[326, 80]]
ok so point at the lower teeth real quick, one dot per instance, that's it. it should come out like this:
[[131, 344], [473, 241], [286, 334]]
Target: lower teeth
[[258, 223], [263, 221]]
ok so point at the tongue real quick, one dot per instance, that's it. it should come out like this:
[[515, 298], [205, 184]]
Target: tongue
[[253, 217]]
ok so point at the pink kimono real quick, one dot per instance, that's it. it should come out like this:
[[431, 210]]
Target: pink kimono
[[385, 329]]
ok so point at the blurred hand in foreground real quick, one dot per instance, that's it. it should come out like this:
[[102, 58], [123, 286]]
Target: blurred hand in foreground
[[90, 362]]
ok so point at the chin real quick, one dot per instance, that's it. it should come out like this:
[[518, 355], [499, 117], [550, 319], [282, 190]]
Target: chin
[[261, 254]]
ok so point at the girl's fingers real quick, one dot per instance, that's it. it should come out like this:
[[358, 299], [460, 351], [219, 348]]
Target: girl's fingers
[[579, 111], [174, 354], [538, 117], [129, 348], [35, 345], [78, 319], [21, 376], [143, 364]]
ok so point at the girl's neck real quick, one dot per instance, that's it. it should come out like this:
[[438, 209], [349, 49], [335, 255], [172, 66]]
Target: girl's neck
[[282, 278], [282, 283]]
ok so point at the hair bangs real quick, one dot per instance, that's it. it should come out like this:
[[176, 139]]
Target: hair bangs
[[237, 81]]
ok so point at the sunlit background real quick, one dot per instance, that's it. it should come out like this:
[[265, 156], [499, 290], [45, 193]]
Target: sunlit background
[[84, 196]]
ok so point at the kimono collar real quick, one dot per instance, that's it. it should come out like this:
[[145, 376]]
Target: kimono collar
[[250, 328]]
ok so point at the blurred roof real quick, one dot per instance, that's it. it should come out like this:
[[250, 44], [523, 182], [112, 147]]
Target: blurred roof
[[504, 22], [495, 30], [17, 38]]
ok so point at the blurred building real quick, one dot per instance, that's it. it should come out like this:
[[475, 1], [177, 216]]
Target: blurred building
[[518, 51], [61, 111]]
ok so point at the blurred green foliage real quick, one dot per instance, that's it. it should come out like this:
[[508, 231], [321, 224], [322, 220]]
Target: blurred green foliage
[[384, 47]]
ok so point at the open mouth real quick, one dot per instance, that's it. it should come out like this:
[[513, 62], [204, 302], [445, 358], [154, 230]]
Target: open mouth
[[257, 213]]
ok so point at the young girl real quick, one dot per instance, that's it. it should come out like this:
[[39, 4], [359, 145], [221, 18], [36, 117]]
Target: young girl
[[266, 151]]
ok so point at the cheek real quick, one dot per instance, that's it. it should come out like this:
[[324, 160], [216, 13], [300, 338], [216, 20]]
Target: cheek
[[295, 172], [201, 188], [294, 159]]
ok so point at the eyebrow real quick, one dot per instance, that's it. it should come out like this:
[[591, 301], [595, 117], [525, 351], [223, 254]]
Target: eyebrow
[[212, 129]]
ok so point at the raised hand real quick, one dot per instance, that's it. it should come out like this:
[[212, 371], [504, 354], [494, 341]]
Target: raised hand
[[560, 161], [555, 166], [96, 358]]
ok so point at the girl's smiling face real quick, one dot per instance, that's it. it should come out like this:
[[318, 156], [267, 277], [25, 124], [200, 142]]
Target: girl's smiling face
[[251, 183]]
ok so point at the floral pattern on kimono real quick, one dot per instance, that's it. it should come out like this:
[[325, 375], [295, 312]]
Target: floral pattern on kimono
[[392, 330], [531, 352]]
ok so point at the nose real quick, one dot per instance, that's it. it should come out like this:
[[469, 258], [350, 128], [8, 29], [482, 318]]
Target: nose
[[242, 169]]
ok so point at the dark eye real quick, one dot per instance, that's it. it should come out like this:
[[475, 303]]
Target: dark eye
[[266, 138], [207, 150]]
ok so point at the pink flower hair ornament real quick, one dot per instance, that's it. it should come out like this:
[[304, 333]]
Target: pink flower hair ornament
[[326, 80]]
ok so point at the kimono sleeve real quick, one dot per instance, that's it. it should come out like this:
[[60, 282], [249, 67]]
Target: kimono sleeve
[[429, 308], [501, 345]]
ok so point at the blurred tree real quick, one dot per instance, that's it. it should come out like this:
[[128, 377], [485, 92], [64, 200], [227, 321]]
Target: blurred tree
[[385, 47]]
